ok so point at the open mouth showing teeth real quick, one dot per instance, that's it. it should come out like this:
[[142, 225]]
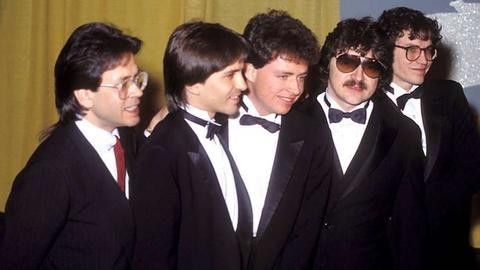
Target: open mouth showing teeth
[[131, 108]]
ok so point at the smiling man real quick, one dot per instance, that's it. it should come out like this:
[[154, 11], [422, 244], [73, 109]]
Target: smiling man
[[68, 208], [450, 139], [189, 202], [375, 216], [281, 155]]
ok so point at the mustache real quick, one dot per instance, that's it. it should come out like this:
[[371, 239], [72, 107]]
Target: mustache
[[359, 84]]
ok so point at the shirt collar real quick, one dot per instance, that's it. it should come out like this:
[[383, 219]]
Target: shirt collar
[[250, 109], [100, 139], [399, 91], [198, 113]]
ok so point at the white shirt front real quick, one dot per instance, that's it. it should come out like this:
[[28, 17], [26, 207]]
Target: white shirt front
[[413, 109], [219, 160], [346, 134], [103, 142], [254, 149]]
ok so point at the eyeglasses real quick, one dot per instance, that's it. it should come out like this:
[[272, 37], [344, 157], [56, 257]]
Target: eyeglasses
[[140, 80], [412, 53], [347, 63]]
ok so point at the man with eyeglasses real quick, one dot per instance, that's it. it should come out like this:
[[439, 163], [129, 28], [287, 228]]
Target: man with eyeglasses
[[68, 208], [375, 218], [450, 139]]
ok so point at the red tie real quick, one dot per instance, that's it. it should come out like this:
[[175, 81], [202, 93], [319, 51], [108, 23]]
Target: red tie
[[120, 159]]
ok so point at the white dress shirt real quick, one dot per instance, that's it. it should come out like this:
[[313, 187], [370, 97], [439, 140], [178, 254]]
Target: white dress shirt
[[219, 160], [346, 134], [253, 148], [413, 109], [103, 142]]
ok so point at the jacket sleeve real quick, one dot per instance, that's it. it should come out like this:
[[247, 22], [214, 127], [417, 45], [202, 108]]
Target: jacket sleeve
[[409, 213], [36, 211], [155, 206]]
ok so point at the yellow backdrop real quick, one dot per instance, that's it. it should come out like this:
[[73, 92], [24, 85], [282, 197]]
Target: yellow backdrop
[[33, 32]]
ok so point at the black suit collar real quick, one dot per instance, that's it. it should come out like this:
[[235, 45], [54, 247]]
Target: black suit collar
[[376, 141], [432, 118], [91, 158], [290, 142], [204, 169]]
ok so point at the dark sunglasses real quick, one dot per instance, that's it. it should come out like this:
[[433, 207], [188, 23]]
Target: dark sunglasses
[[347, 63]]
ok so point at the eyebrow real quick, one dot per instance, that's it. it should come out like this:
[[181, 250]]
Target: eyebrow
[[231, 71], [130, 76], [290, 73]]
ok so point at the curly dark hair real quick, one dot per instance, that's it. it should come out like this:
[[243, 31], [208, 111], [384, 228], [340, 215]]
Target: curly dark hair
[[396, 20], [277, 33], [360, 35]]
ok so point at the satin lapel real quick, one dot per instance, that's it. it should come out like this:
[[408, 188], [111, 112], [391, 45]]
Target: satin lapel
[[375, 144], [432, 121], [128, 142], [223, 134], [338, 184], [312, 107], [203, 168], [290, 143]]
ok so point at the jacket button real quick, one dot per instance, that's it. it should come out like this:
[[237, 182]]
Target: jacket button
[[327, 226]]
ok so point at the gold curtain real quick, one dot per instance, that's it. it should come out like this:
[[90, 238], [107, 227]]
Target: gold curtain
[[33, 32]]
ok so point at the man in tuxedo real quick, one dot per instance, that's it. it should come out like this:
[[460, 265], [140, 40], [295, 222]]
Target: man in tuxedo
[[68, 208], [281, 154], [375, 216], [450, 140], [190, 204]]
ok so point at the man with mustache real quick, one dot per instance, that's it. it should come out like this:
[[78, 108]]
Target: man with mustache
[[375, 216], [450, 139]]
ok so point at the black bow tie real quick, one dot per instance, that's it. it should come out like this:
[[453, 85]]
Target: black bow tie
[[248, 120], [402, 100], [212, 127], [358, 116]]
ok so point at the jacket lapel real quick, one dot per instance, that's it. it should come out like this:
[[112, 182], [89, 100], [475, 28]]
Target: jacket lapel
[[127, 138], [375, 144], [432, 120], [290, 142], [93, 161]]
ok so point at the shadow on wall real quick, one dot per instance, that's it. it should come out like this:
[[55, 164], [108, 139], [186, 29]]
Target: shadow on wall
[[443, 68], [150, 103]]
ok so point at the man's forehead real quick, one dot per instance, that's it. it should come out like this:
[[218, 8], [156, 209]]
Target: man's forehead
[[411, 34], [292, 58]]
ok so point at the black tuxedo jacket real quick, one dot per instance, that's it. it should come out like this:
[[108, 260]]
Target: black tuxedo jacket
[[66, 211], [296, 197], [181, 216], [375, 217], [452, 173]]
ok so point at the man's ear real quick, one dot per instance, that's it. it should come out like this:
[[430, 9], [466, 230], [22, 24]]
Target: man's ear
[[194, 89], [85, 97], [250, 72]]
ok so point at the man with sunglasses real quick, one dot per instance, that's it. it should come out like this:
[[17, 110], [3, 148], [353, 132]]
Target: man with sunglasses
[[375, 218], [68, 208], [450, 139]]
